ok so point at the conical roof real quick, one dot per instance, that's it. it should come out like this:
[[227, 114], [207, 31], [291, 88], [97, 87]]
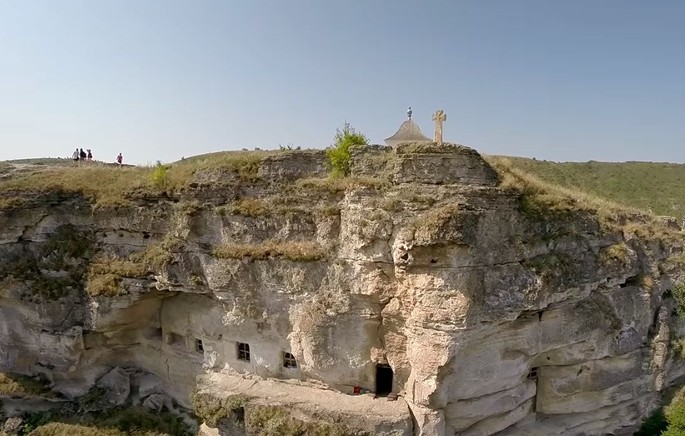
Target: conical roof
[[409, 131]]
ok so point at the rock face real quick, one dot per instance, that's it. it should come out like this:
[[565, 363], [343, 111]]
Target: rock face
[[419, 276]]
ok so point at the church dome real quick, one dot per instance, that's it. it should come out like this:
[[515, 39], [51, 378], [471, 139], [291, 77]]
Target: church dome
[[409, 131]]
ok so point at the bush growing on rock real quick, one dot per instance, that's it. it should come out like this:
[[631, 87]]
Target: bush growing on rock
[[678, 292], [160, 176], [212, 409], [666, 421], [339, 153]]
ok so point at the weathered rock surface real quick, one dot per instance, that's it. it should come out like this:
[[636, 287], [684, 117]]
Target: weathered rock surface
[[493, 316], [115, 388]]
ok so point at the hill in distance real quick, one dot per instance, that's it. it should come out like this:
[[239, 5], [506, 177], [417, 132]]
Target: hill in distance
[[655, 186]]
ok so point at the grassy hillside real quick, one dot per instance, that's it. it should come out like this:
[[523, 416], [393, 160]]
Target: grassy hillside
[[643, 185], [659, 187], [47, 161]]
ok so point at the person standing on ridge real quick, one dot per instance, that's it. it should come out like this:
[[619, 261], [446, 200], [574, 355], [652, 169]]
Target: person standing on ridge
[[82, 154], [75, 156], [90, 155], [120, 159]]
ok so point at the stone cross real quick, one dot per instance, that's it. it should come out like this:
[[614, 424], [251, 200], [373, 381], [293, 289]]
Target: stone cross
[[439, 117]]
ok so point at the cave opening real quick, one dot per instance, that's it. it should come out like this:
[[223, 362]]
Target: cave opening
[[384, 376]]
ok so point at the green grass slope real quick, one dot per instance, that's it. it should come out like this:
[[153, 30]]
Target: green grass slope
[[659, 187]]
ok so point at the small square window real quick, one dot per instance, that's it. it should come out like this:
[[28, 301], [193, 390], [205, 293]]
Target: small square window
[[243, 351], [198, 346], [289, 361]]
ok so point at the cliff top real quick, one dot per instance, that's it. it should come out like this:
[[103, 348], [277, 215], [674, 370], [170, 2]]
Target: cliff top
[[608, 189]]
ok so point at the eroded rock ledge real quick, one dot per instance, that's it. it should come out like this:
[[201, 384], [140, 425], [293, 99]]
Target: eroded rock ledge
[[493, 309]]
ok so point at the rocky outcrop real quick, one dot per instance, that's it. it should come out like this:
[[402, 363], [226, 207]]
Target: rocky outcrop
[[487, 310]]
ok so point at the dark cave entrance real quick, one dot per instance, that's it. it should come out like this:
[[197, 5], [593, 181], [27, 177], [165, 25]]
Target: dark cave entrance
[[384, 377]]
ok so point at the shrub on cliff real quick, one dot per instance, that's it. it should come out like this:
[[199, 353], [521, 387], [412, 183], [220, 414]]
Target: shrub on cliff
[[160, 175], [678, 292], [213, 409], [339, 152], [126, 421], [666, 421]]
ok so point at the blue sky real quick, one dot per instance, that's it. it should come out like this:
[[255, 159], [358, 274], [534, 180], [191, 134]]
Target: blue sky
[[161, 79]]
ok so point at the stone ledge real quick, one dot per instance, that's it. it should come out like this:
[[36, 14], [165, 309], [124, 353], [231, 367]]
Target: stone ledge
[[363, 412]]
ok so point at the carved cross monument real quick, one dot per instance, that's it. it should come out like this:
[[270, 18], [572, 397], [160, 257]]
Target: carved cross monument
[[439, 117]]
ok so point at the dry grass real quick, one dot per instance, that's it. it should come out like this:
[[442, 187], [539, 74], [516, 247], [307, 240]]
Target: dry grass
[[677, 260], [213, 409], [20, 385], [188, 208], [430, 223], [111, 186], [250, 207], [106, 272], [277, 421], [62, 429], [126, 421], [298, 251], [433, 148], [327, 211], [104, 185], [646, 281], [341, 184], [617, 252], [279, 206], [244, 163]]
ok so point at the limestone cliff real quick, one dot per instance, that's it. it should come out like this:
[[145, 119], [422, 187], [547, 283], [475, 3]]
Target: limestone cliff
[[266, 295]]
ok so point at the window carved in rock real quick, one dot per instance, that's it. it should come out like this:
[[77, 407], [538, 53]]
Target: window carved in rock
[[243, 351], [289, 361]]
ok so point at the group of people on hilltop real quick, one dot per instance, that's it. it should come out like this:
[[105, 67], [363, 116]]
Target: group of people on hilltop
[[87, 156], [80, 155]]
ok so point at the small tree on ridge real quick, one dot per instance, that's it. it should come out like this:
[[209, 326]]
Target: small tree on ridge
[[339, 152]]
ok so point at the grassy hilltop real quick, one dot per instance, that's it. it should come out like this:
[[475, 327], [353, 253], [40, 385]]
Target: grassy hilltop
[[642, 185], [659, 187]]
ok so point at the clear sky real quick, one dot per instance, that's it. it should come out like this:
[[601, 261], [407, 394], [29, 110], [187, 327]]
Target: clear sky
[[161, 79]]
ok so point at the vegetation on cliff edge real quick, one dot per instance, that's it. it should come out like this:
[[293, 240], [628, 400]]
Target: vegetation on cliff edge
[[107, 271], [213, 409], [655, 186], [111, 186], [21, 385], [546, 201], [339, 153], [666, 421], [298, 251], [122, 421]]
